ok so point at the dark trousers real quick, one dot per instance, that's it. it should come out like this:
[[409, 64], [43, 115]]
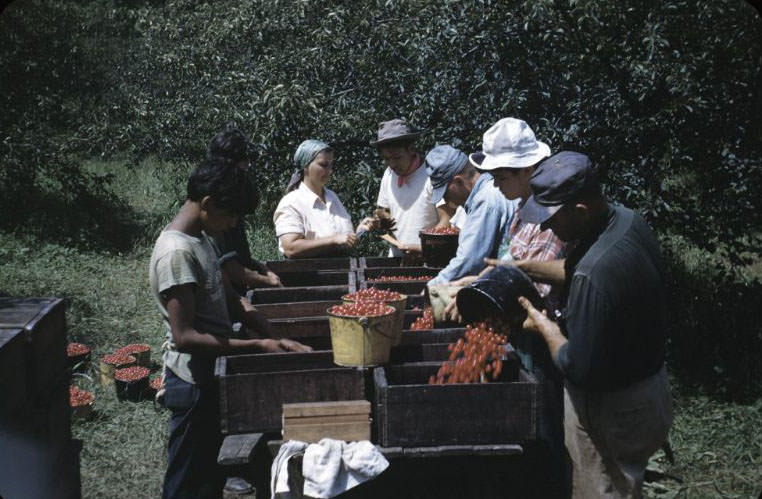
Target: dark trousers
[[194, 441]]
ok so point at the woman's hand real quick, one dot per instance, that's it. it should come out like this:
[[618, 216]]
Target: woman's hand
[[368, 224]]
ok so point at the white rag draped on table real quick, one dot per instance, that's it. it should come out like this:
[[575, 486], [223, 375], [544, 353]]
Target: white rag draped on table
[[330, 467]]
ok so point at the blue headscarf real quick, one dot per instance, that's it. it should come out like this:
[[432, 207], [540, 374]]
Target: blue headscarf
[[303, 156]]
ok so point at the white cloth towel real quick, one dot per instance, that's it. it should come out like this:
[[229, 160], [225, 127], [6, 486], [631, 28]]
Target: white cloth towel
[[279, 470], [330, 467]]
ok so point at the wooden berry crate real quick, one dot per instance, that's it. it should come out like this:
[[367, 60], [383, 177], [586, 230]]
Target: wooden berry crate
[[411, 413], [305, 327], [253, 388]]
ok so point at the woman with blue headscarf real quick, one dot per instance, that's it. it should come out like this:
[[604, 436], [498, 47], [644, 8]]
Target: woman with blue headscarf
[[310, 219]]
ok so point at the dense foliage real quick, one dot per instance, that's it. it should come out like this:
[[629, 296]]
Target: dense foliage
[[665, 97]]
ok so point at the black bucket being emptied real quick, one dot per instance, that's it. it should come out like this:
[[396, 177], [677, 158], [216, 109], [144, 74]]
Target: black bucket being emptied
[[496, 294]]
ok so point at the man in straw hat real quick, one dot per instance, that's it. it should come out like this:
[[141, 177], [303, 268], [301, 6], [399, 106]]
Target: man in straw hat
[[406, 192], [610, 343]]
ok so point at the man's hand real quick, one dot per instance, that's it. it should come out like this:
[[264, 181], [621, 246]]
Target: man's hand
[[494, 262], [411, 249], [293, 346], [451, 310], [272, 279], [346, 240], [539, 322], [464, 281], [535, 320]]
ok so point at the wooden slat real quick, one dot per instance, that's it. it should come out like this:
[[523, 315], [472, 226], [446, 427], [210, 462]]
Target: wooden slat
[[452, 450], [302, 293], [295, 309], [311, 409], [307, 264], [340, 431]]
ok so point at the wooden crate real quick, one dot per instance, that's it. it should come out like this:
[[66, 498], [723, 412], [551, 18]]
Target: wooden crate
[[301, 278], [310, 264], [296, 310], [317, 326], [411, 413], [303, 293], [43, 325], [366, 262], [253, 388], [14, 389], [312, 421]]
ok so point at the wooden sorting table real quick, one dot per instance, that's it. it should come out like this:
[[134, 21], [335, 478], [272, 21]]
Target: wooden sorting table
[[502, 416]]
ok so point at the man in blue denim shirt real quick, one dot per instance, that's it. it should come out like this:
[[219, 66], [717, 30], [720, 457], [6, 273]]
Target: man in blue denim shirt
[[489, 213]]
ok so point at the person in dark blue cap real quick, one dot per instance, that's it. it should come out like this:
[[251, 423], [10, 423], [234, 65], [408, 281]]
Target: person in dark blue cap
[[458, 181], [610, 343]]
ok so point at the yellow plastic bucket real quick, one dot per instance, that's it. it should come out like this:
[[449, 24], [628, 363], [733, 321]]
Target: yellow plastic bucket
[[361, 341], [399, 315]]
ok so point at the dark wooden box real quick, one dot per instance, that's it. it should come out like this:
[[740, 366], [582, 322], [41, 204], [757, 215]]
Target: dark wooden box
[[301, 278], [43, 325], [366, 262], [253, 388], [412, 413], [14, 389], [306, 327], [295, 310], [312, 264]]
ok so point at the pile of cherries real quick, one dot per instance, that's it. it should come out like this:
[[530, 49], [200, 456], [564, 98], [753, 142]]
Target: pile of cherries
[[79, 397], [426, 321], [473, 360], [119, 359], [373, 294], [362, 309], [133, 348], [157, 383], [450, 230], [388, 278], [75, 349], [130, 374]]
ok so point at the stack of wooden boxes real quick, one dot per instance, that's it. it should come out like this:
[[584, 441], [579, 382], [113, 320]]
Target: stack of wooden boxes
[[38, 457]]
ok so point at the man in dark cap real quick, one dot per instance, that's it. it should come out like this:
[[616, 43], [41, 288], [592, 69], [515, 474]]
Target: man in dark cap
[[610, 342]]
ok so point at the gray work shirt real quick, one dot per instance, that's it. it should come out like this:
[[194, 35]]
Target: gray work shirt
[[615, 308]]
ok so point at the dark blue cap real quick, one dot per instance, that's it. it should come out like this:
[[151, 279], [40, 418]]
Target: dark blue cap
[[442, 164], [561, 178]]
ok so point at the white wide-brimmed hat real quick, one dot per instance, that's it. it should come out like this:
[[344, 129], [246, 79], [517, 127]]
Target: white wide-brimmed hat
[[510, 143]]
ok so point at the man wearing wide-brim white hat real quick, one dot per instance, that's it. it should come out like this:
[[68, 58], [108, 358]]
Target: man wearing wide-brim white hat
[[511, 154]]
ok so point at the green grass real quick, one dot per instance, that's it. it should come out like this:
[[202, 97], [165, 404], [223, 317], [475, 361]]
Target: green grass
[[718, 445]]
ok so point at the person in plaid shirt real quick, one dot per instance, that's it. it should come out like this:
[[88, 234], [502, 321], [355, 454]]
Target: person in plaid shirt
[[511, 154]]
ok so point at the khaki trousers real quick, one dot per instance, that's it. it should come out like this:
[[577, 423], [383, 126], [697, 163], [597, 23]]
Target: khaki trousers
[[610, 436]]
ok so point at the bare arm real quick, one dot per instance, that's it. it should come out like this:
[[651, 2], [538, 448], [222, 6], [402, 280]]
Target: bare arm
[[296, 246], [546, 272], [181, 306], [445, 213], [243, 277]]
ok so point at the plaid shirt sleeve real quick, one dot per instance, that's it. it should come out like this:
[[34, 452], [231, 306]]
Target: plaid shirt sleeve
[[529, 243]]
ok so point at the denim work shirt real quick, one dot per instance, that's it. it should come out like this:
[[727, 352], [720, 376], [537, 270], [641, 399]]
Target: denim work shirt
[[488, 218]]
